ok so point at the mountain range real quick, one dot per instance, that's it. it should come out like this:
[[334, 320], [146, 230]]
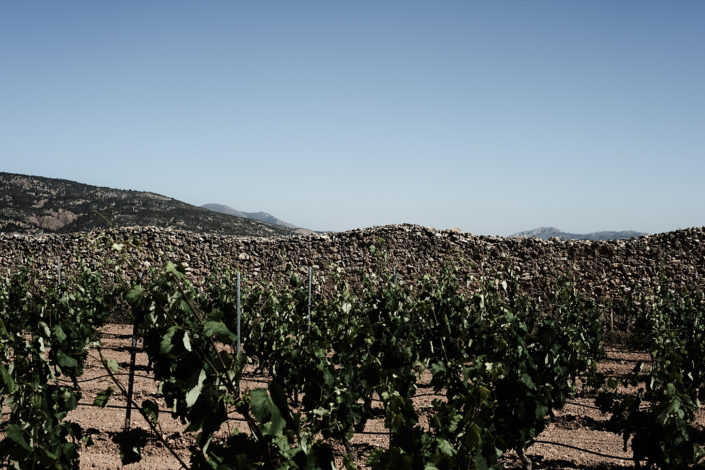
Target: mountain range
[[35, 204], [261, 216], [545, 233]]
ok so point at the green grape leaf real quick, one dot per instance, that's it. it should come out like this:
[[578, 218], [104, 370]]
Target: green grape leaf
[[134, 295], [264, 409], [445, 448], [59, 333], [102, 398], [65, 361], [15, 434], [193, 394], [218, 328], [7, 383], [171, 268], [151, 409], [112, 365], [166, 344]]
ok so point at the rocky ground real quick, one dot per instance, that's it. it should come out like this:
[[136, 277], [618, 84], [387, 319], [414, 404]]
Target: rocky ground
[[609, 272]]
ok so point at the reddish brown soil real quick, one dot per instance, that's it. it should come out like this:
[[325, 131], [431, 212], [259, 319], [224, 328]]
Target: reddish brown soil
[[579, 424]]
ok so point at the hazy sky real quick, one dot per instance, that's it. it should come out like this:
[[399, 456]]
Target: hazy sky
[[493, 117]]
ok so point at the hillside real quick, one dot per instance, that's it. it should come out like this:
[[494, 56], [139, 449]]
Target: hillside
[[34, 204], [546, 233]]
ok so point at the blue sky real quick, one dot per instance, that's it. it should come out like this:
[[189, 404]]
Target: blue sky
[[494, 117]]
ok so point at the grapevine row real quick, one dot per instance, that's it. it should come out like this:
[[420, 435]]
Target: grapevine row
[[499, 362]]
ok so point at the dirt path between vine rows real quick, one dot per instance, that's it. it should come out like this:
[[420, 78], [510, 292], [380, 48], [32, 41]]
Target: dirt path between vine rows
[[578, 425]]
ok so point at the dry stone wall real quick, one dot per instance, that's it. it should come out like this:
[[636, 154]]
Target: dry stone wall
[[603, 269]]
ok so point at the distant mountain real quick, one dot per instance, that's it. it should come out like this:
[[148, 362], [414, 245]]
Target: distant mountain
[[34, 204], [261, 216], [545, 233]]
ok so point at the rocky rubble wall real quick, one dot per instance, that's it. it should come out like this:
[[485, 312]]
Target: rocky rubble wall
[[604, 269]]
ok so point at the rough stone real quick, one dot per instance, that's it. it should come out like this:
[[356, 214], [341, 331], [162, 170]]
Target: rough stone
[[602, 269]]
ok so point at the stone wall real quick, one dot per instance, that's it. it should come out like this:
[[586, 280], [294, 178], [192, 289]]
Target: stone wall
[[604, 269]]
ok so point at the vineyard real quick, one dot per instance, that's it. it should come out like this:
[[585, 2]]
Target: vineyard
[[440, 375]]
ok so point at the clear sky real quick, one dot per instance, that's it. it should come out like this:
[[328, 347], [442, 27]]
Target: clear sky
[[493, 117]]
